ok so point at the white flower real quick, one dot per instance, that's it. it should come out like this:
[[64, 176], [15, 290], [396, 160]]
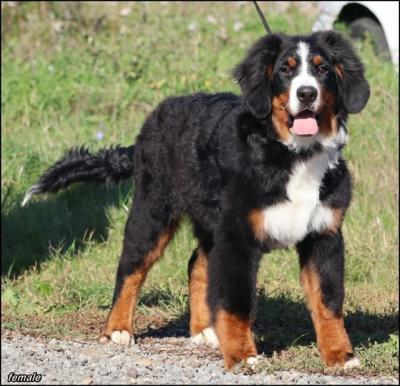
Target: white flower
[[237, 26], [125, 11], [99, 135], [192, 26], [58, 26], [211, 19]]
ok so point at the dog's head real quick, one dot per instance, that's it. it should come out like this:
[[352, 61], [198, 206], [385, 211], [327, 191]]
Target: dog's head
[[307, 84]]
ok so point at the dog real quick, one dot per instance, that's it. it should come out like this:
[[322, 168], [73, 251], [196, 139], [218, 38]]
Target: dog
[[254, 172]]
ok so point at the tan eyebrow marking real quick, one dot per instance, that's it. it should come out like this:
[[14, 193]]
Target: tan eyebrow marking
[[317, 60], [292, 62]]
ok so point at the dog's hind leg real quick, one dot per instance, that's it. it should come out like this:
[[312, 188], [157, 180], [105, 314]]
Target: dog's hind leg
[[149, 228], [201, 330]]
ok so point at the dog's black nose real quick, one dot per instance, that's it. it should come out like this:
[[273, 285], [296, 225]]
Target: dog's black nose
[[307, 94]]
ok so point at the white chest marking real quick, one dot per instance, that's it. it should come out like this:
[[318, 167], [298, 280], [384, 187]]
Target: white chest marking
[[288, 222]]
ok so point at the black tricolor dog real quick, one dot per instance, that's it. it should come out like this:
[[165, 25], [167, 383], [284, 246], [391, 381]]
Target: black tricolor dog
[[254, 172]]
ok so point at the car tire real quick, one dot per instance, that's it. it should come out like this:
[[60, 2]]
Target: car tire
[[360, 28]]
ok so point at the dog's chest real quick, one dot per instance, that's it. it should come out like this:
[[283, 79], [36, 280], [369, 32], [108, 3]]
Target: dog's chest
[[289, 221]]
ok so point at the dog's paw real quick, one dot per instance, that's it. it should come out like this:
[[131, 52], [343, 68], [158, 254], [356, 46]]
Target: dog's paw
[[119, 337], [341, 359], [207, 336], [351, 363], [244, 365], [198, 339], [252, 362]]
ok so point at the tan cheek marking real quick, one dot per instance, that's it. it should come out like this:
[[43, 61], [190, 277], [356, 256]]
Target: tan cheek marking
[[317, 60], [328, 122], [280, 115], [199, 311], [256, 220], [235, 336], [333, 341]]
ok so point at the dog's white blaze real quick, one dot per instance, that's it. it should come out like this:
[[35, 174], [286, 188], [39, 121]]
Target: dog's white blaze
[[289, 222], [303, 78]]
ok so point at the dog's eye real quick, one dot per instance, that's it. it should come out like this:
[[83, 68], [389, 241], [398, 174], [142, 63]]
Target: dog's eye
[[286, 70], [322, 69]]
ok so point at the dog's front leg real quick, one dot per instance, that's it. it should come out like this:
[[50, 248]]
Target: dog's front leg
[[232, 274], [322, 273]]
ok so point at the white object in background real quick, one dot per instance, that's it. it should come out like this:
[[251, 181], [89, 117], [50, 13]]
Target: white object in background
[[386, 12]]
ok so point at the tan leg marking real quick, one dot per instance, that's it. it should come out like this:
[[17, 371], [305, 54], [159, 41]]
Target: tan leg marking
[[332, 339], [200, 316], [236, 338], [121, 315]]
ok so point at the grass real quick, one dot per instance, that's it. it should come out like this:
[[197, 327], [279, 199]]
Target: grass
[[70, 71]]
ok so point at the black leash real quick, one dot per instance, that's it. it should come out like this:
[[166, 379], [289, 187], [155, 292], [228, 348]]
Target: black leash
[[264, 21]]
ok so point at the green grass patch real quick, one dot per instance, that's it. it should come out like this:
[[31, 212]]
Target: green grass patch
[[71, 70]]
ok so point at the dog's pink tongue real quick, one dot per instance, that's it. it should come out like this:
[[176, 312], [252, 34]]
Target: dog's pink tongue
[[305, 124]]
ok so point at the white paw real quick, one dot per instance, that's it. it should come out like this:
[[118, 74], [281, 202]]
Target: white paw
[[210, 337], [353, 362], [252, 361], [198, 339], [248, 363], [121, 337], [207, 336]]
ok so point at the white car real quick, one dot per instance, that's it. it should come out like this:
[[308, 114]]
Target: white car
[[378, 18]]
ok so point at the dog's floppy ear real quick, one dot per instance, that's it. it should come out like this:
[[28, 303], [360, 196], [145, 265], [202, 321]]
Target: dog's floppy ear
[[350, 71], [253, 74]]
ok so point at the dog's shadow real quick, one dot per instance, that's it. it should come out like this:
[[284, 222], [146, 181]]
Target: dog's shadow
[[33, 234], [61, 223], [282, 322]]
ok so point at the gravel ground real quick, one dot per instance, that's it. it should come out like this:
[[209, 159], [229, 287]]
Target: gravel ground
[[152, 361]]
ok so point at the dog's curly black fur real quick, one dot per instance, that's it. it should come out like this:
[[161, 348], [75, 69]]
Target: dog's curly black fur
[[226, 160]]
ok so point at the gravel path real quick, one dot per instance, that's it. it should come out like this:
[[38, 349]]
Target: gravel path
[[152, 361]]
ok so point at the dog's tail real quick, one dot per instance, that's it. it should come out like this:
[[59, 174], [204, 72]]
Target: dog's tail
[[78, 164]]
